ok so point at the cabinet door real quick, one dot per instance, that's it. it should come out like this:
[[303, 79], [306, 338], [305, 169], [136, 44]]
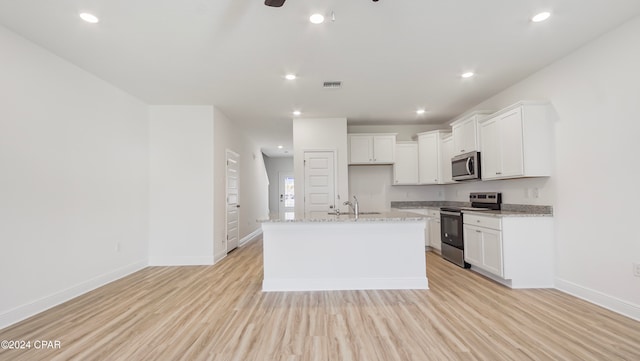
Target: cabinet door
[[384, 148], [429, 159], [511, 143], [360, 149], [465, 137], [446, 147], [472, 245], [434, 234], [492, 251], [502, 146], [491, 166], [405, 168]]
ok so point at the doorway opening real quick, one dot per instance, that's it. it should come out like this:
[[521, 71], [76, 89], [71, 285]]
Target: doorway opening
[[287, 199]]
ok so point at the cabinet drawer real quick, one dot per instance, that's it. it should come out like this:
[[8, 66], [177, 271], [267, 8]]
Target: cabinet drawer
[[480, 221]]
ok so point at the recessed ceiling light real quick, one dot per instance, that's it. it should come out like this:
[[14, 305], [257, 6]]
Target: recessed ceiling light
[[90, 18], [316, 19], [280, 147], [420, 111], [467, 74], [541, 17], [296, 112], [290, 76]]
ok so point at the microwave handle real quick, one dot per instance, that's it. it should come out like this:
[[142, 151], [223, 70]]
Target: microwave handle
[[469, 166]]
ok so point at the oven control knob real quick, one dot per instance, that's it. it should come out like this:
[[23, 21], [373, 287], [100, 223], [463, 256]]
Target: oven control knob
[[446, 234]]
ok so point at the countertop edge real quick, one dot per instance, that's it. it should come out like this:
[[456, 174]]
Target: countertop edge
[[350, 218]]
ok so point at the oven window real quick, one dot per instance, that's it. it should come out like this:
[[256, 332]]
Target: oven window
[[451, 226]]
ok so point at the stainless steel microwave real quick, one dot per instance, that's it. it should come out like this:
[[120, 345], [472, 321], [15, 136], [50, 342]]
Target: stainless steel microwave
[[466, 166]]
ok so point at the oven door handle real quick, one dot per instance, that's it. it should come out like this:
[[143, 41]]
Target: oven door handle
[[469, 166], [450, 213]]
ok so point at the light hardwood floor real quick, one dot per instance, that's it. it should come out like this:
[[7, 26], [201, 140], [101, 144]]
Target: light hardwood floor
[[219, 313]]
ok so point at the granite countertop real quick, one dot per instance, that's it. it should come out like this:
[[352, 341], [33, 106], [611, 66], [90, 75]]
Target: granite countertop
[[392, 216], [508, 210], [507, 213]]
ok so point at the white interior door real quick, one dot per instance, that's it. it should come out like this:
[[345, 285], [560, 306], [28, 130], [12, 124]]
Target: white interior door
[[286, 195], [319, 182], [233, 191]]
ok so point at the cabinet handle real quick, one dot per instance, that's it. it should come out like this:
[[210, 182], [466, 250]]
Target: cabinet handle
[[478, 231], [462, 151], [498, 173], [478, 221], [375, 160], [370, 160]]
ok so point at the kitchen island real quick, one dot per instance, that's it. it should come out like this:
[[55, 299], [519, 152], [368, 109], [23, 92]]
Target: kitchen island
[[344, 252]]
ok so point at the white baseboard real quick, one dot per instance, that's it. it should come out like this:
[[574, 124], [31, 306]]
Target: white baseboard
[[180, 261], [25, 311], [218, 257], [249, 237], [329, 284], [596, 297]]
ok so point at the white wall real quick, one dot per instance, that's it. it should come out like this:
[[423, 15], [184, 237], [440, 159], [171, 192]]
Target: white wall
[[373, 185], [181, 185], [275, 166], [514, 191], [73, 183], [254, 188], [321, 134], [596, 94]]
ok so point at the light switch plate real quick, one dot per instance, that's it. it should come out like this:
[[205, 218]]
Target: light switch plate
[[636, 269]]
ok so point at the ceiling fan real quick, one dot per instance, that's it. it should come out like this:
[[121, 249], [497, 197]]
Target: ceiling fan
[[274, 3], [279, 3]]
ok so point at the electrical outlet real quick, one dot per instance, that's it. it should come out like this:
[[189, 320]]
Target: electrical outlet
[[636, 269]]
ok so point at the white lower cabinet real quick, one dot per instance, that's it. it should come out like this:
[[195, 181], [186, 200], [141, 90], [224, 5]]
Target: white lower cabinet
[[515, 251], [483, 248], [434, 230], [472, 246]]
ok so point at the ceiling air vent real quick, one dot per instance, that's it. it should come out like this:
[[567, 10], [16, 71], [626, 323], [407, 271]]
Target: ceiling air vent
[[332, 85]]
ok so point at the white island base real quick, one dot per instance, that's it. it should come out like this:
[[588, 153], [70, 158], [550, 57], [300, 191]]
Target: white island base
[[344, 255]]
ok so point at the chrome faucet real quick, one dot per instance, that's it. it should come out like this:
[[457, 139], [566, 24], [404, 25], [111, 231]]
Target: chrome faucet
[[354, 205]]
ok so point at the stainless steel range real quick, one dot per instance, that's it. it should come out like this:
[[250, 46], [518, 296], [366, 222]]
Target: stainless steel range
[[451, 224]]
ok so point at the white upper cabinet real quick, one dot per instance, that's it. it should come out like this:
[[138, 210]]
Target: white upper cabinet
[[360, 149], [465, 133], [372, 148], [384, 148], [517, 142], [405, 168], [430, 167], [446, 153]]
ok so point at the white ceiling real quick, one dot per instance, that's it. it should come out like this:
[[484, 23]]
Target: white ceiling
[[393, 56]]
